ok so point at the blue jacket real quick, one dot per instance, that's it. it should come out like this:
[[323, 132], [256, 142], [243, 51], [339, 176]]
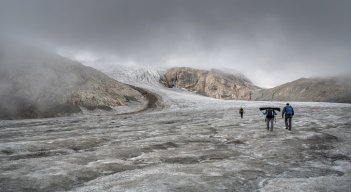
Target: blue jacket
[[288, 111]]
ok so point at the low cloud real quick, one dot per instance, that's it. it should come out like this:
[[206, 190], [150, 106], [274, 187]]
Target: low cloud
[[271, 42]]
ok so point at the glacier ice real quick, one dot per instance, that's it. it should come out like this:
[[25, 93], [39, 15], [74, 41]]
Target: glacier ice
[[195, 143]]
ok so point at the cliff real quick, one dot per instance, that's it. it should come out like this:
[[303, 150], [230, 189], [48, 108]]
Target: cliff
[[221, 85], [212, 83]]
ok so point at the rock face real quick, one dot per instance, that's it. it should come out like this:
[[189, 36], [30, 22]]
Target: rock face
[[35, 83], [222, 85], [213, 83], [317, 89]]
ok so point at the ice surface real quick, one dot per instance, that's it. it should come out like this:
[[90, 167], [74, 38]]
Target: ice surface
[[195, 143]]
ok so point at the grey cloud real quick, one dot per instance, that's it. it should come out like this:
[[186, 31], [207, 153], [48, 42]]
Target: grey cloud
[[302, 38]]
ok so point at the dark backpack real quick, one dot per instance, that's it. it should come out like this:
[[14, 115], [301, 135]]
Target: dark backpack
[[270, 113]]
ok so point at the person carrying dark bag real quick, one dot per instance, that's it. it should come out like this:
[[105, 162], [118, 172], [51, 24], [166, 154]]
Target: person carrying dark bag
[[270, 116]]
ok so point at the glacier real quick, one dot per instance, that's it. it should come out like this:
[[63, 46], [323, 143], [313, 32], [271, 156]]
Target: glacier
[[193, 143]]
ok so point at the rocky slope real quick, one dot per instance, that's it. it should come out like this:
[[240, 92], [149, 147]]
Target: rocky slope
[[223, 85], [316, 89], [35, 83], [213, 83]]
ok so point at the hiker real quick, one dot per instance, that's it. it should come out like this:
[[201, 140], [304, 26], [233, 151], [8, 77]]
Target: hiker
[[289, 113], [270, 116], [241, 111]]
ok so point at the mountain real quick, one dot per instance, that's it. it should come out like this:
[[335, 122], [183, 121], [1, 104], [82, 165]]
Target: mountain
[[230, 85], [36, 83], [336, 89], [212, 83]]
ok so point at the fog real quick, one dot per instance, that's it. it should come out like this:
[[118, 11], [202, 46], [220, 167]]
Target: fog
[[271, 42], [34, 82]]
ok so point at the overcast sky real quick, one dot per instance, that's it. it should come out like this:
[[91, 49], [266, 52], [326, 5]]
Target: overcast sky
[[271, 42]]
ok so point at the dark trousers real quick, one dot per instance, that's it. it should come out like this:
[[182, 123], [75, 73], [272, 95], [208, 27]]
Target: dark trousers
[[288, 122], [241, 114], [271, 121]]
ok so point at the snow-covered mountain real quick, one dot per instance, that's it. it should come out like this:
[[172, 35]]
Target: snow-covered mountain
[[139, 75]]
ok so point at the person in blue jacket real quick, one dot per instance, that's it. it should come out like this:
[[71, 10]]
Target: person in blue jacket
[[288, 111]]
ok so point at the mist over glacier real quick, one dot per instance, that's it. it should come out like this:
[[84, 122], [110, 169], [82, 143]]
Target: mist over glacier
[[190, 142], [194, 143]]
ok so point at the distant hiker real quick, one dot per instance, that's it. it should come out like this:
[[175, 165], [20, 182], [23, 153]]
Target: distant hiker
[[270, 116], [289, 113], [241, 111]]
